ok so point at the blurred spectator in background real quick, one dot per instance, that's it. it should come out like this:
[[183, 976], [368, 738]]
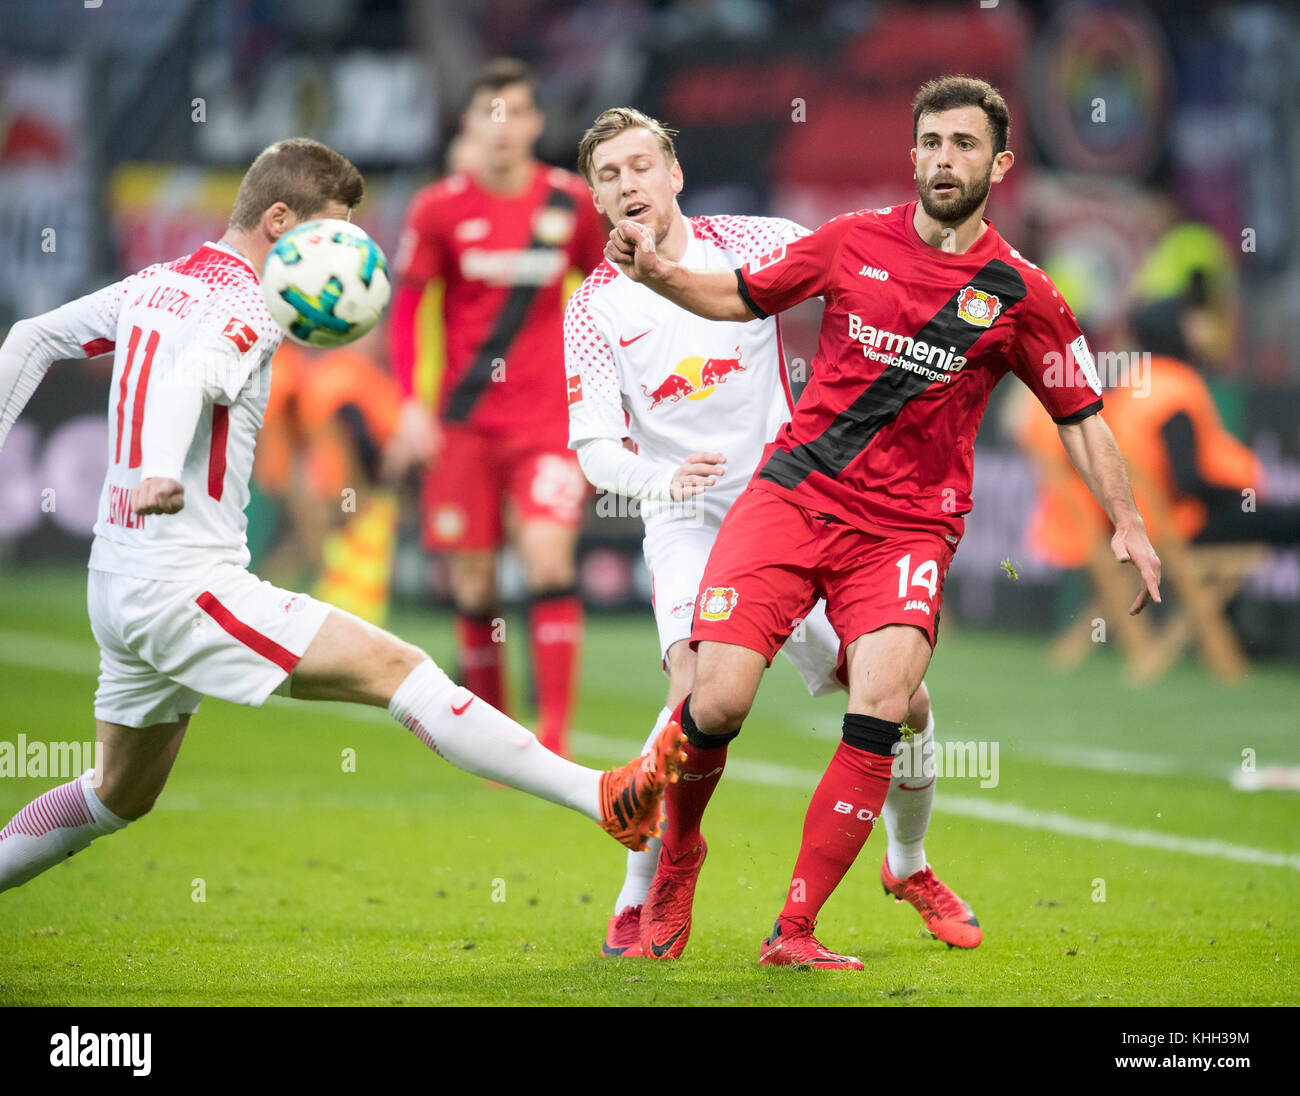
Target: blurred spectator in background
[[1207, 484], [330, 414], [487, 259]]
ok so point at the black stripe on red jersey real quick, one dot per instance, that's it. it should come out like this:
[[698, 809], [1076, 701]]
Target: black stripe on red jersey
[[884, 398], [474, 381], [1080, 415]]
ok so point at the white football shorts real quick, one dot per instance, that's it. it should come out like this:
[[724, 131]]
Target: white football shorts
[[164, 645], [676, 552]]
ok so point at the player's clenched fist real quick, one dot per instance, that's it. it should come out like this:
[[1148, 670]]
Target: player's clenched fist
[[157, 495], [631, 248]]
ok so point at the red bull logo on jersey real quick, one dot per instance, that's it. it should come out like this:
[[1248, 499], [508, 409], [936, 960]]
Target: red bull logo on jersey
[[717, 602], [977, 307], [694, 379]]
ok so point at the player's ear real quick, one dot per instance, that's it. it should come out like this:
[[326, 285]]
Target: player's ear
[[914, 156], [595, 200], [1002, 164], [278, 219], [678, 179]]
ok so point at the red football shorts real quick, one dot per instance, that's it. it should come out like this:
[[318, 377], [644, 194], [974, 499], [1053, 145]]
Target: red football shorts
[[773, 559], [480, 475]]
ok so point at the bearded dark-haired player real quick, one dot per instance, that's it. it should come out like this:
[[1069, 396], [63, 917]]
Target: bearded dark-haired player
[[861, 498]]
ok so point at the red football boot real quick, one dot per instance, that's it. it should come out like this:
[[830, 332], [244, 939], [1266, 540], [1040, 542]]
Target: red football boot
[[666, 916], [792, 944], [623, 935], [946, 916]]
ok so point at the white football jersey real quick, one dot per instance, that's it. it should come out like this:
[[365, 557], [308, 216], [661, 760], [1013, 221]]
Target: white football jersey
[[199, 316], [639, 366]]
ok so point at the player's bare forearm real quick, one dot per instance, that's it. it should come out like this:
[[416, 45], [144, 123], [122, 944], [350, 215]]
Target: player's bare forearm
[[1093, 451], [712, 294]]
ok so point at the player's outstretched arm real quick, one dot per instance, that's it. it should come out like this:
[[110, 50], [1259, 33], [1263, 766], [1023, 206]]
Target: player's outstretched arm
[[1094, 452], [713, 294], [609, 466]]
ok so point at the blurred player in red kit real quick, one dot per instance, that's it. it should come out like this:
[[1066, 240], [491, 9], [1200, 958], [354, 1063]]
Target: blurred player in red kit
[[861, 498], [494, 246]]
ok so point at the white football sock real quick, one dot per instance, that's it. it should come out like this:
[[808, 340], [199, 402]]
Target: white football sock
[[51, 828], [907, 805], [641, 865], [467, 731]]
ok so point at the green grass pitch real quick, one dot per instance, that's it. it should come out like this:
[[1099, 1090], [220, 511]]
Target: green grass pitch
[[408, 882]]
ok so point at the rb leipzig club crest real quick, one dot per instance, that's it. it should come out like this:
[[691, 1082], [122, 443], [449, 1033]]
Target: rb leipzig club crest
[[977, 307]]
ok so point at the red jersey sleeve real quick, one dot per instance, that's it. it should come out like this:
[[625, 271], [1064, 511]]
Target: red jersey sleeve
[[1051, 355], [795, 271], [420, 259], [420, 251], [592, 230]]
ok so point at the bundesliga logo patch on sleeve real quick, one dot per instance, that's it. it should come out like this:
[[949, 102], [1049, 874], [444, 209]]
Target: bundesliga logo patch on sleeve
[[574, 382], [764, 261], [239, 333]]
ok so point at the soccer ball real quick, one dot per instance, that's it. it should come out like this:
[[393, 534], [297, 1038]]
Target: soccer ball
[[326, 283]]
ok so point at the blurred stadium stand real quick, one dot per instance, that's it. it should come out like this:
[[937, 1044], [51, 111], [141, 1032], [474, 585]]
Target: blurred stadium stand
[[123, 130]]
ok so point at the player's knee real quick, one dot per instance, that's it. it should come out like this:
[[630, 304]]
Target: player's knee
[[918, 709], [549, 576], [716, 712], [890, 706]]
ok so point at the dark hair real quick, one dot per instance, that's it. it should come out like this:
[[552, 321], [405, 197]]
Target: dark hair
[[303, 174], [499, 74], [947, 92]]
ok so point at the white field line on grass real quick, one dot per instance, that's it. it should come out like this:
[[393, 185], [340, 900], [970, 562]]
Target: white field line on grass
[[70, 656]]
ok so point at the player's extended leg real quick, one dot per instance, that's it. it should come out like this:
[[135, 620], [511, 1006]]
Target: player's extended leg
[[546, 550], [904, 872], [622, 934], [726, 679], [133, 767], [480, 635], [352, 660], [885, 669]]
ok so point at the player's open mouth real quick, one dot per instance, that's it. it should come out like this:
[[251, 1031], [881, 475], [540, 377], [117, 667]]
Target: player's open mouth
[[945, 188], [636, 209]]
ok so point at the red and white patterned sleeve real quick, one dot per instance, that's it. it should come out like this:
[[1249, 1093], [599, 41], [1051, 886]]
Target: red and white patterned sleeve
[[792, 270], [750, 237], [591, 374]]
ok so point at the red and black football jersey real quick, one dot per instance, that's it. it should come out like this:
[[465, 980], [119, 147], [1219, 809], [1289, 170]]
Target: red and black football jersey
[[499, 264], [912, 341]]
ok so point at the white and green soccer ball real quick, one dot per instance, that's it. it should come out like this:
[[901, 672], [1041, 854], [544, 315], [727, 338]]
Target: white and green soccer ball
[[326, 283]]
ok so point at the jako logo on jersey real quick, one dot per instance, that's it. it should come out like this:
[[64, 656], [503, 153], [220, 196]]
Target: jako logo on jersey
[[874, 272], [914, 604], [240, 334], [977, 307], [694, 379], [916, 355], [717, 602]]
